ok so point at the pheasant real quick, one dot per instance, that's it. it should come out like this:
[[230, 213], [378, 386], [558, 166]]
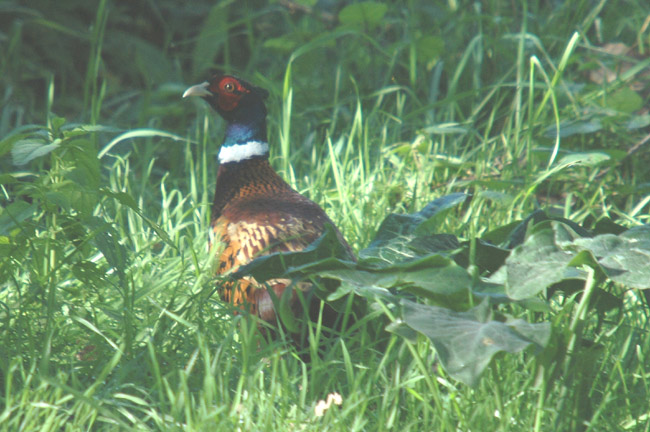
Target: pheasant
[[255, 212]]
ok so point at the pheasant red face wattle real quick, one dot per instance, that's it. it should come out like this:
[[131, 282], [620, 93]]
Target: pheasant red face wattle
[[230, 91]]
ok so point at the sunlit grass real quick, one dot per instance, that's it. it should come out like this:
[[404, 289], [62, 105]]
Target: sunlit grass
[[86, 344]]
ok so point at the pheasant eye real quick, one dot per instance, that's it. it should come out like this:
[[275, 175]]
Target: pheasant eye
[[229, 87]]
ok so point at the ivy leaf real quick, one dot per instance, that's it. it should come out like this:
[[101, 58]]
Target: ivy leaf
[[402, 237], [466, 341], [540, 261], [623, 257], [430, 277]]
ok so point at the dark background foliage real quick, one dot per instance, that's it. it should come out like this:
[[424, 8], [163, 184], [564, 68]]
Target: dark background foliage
[[375, 108]]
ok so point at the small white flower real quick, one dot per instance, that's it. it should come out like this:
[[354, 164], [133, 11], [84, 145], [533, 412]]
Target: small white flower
[[322, 406]]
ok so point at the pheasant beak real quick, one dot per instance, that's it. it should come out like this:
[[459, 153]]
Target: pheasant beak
[[198, 90]]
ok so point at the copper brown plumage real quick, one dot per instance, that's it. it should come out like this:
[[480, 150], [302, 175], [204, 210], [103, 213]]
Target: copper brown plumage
[[255, 212]]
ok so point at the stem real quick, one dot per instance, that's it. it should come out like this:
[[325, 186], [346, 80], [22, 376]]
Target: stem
[[540, 400], [579, 317], [576, 330]]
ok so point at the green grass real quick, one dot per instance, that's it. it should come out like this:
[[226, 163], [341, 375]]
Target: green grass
[[109, 318]]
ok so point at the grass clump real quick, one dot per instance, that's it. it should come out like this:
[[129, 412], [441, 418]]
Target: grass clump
[[108, 312]]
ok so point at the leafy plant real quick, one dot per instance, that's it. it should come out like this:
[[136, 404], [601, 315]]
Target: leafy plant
[[407, 259], [108, 316]]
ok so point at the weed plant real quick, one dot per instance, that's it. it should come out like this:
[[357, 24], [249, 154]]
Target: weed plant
[[109, 317]]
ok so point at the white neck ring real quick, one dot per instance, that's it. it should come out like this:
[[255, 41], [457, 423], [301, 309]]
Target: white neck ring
[[240, 152]]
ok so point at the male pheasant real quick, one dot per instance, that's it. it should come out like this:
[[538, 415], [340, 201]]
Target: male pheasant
[[255, 212]]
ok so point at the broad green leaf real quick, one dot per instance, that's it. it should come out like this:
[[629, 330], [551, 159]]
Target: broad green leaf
[[564, 233], [431, 274], [87, 168], [366, 13], [14, 214], [8, 143], [407, 248], [369, 292], [433, 244], [436, 210], [60, 198], [501, 235], [430, 277], [74, 130], [28, 149], [487, 256], [585, 258], [607, 226], [82, 200], [624, 100], [466, 341], [429, 48], [625, 257], [402, 329], [536, 265], [396, 237], [285, 311], [555, 251], [107, 241], [638, 236], [534, 222], [57, 122]]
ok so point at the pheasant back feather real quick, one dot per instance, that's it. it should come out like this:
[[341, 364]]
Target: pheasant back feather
[[262, 217]]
